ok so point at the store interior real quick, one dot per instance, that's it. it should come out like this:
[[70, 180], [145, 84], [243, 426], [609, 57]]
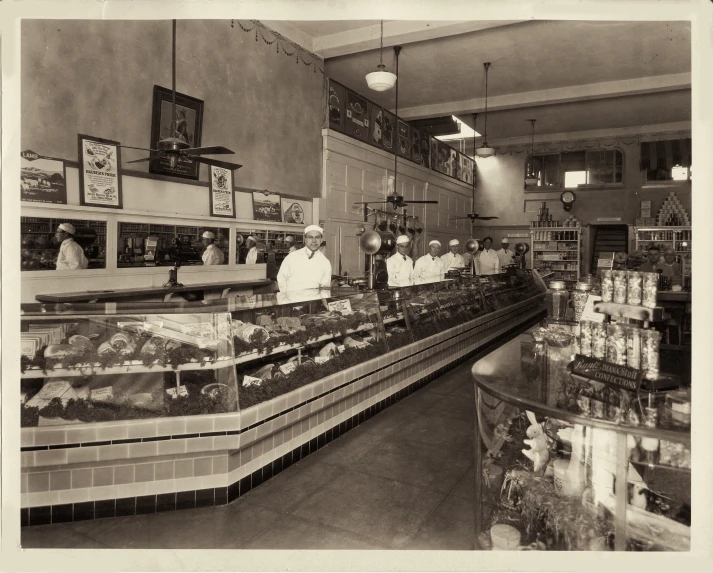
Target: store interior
[[162, 392]]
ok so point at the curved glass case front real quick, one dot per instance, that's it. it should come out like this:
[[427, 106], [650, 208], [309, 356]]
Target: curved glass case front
[[548, 470]]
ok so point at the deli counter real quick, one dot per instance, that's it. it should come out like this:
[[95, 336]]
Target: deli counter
[[186, 404]]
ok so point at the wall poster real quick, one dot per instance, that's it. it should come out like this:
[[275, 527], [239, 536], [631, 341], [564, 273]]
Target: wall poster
[[42, 179], [416, 146], [404, 147], [388, 131], [337, 102], [222, 196], [99, 177], [376, 125], [356, 122], [296, 211], [267, 206]]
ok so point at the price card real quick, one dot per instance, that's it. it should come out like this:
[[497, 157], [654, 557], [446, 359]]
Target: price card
[[102, 394], [251, 381], [322, 359], [288, 368], [588, 312], [28, 346], [175, 393], [342, 306]]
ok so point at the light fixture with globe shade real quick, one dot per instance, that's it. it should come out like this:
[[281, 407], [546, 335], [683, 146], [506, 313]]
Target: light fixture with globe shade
[[381, 80], [485, 150]]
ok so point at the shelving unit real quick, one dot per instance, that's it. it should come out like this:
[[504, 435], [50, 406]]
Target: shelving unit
[[680, 238], [267, 242], [556, 253]]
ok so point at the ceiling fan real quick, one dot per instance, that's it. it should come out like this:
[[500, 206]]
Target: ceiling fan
[[396, 200], [173, 147], [473, 216]]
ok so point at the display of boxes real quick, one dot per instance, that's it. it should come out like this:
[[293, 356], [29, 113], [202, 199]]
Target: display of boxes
[[646, 213], [645, 205]]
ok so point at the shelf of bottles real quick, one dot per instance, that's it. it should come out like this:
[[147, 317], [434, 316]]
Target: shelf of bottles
[[39, 248], [680, 238], [268, 242], [557, 251]]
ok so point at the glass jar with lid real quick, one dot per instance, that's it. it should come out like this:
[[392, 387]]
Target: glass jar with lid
[[557, 298], [580, 294]]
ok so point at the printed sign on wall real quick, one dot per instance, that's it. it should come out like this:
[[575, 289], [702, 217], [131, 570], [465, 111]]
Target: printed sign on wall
[[99, 179], [42, 179], [267, 206], [222, 197]]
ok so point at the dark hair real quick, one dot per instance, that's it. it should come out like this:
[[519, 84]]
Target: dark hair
[[486, 238], [654, 248]]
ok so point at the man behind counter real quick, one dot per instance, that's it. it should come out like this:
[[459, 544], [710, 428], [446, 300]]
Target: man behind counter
[[71, 255], [212, 254], [669, 266], [489, 263], [251, 244], [453, 259], [399, 265], [505, 255], [653, 255], [306, 268], [429, 268]]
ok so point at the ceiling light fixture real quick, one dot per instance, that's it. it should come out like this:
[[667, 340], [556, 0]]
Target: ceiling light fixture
[[531, 176], [485, 150], [381, 80]]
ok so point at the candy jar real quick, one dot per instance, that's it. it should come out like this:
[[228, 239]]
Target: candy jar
[[634, 287], [650, 289], [619, 279], [616, 344], [607, 286], [599, 340], [633, 347], [585, 337], [580, 294], [557, 297], [650, 340]]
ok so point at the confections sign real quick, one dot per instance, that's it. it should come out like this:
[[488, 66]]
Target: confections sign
[[222, 201], [99, 178], [611, 374]]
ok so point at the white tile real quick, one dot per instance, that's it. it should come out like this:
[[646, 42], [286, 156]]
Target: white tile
[[74, 495], [131, 489], [161, 486], [103, 492], [227, 422], [43, 498]]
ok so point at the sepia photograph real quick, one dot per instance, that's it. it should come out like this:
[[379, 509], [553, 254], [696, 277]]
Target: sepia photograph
[[379, 285]]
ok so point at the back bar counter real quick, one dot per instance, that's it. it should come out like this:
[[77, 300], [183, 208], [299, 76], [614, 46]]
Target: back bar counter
[[141, 407]]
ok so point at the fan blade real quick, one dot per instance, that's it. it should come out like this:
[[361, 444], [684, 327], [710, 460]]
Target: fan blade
[[223, 164], [412, 202], [216, 150], [371, 202], [457, 218], [139, 148], [153, 158], [487, 218]]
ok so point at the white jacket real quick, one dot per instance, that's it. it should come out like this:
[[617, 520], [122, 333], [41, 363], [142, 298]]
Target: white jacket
[[400, 268], [299, 271], [505, 257], [71, 256], [428, 269], [489, 262], [213, 256], [251, 258], [451, 261]]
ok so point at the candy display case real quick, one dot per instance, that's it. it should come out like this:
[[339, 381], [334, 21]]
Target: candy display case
[[548, 468], [100, 363]]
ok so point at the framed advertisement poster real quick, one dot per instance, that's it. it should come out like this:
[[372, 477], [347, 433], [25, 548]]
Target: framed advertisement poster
[[296, 211], [416, 146], [189, 124], [222, 197], [376, 125], [42, 179], [404, 140], [336, 105], [99, 177], [425, 149], [267, 206], [356, 123], [433, 144], [389, 130]]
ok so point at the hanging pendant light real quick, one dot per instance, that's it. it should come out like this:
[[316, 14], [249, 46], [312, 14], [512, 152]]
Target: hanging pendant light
[[531, 176], [381, 80], [485, 150]]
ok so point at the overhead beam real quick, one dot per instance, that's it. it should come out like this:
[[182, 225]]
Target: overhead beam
[[619, 88], [395, 33]]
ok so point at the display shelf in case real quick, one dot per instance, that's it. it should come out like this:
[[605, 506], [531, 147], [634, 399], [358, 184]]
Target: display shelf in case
[[572, 501]]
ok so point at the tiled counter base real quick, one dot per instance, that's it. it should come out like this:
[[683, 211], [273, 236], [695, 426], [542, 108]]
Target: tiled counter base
[[115, 469]]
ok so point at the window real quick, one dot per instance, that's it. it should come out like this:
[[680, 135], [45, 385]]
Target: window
[[668, 160], [573, 169]]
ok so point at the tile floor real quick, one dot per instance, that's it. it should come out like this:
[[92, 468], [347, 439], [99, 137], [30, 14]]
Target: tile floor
[[401, 480]]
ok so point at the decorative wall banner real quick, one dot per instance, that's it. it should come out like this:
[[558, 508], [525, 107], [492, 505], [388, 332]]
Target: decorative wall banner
[[42, 179], [189, 125], [267, 206], [403, 148], [389, 131], [416, 146], [356, 122], [336, 106], [296, 211], [610, 374], [376, 125], [222, 196], [99, 178]]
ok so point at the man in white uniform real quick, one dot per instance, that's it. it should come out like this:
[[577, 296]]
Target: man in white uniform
[[429, 268], [306, 268], [212, 254], [71, 255], [399, 265], [453, 259], [251, 244], [488, 261], [290, 242], [505, 255]]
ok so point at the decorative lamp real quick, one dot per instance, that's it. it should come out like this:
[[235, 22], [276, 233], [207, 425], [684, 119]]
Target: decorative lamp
[[485, 150], [381, 80]]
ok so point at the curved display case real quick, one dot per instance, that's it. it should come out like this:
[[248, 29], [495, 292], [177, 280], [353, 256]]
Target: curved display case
[[547, 474]]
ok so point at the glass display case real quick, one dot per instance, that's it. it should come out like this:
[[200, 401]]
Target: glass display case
[[552, 449], [40, 247]]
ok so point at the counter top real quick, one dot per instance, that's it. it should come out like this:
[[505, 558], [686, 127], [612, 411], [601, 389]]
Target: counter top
[[117, 294], [529, 375], [671, 296]]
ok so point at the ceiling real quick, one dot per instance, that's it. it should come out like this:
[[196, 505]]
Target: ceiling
[[569, 75]]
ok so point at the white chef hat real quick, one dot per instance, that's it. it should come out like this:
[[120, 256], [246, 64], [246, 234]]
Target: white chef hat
[[505, 240], [403, 240], [68, 227], [314, 228], [434, 242], [289, 239], [208, 235], [453, 243], [251, 238]]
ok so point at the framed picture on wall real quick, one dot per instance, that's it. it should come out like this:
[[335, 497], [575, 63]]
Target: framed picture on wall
[[267, 206], [389, 130], [99, 177], [356, 123], [336, 104], [404, 147], [188, 127], [296, 211], [376, 125], [42, 179], [222, 196], [433, 146], [416, 146]]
